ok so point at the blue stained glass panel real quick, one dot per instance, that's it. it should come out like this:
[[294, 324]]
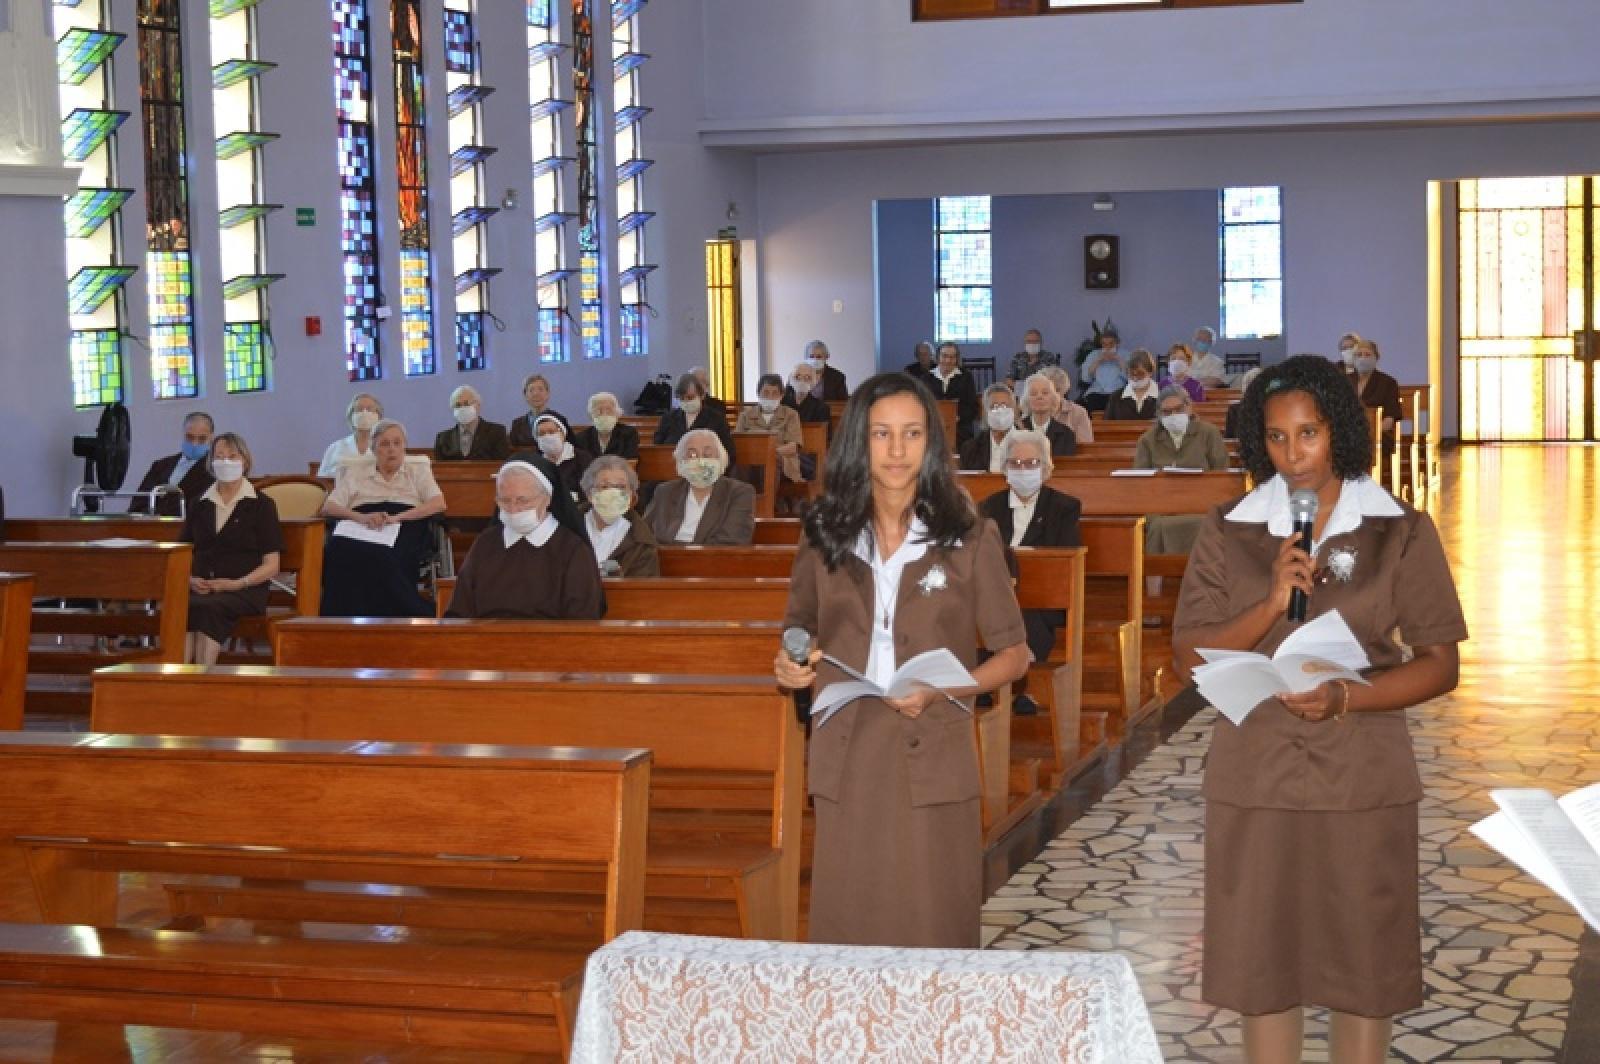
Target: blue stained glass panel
[[245, 346], [470, 353], [80, 52], [1254, 204], [966, 315], [358, 225], [85, 129], [171, 286], [965, 259], [96, 357], [552, 334], [416, 311], [963, 214], [91, 286], [460, 48], [172, 361], [88, 208], [540, 13], [633, 330]]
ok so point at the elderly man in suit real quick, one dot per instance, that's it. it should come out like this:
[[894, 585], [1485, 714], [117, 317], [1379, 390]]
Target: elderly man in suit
[[831, 384], [186, 471], [702, 506], [473, 437]]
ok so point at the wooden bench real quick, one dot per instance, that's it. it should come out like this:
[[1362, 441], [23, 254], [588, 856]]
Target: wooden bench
[[1051, 578], [727, 783], [777, 532], [1163, 493], [468, 489], [355, 811], [1115, 611], [16, 609], [669, 599]]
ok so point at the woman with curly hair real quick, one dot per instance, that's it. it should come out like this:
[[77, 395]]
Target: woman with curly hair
[[895, 562], [1311, 802]]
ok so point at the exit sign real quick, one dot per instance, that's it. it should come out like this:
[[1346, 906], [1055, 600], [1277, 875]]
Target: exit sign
[[305, 216]]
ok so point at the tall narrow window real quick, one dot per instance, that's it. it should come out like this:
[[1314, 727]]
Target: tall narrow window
[[591, 297], [236, 102], [358, 221], [1251, 251], [467, 92], [169, 269], [551, 160], [411, 174], [627, 60], [94, 212], [964, 309]]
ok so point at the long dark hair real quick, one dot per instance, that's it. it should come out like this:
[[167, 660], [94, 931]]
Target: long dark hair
[[837, 519], [1336, 401]]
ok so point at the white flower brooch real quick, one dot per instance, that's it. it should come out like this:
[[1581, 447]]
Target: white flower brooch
[[935, 580], [1342, 563]]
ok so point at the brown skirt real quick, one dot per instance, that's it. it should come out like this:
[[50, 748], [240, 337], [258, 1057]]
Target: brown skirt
[[215, 615], [1312, 908], [885, 872]]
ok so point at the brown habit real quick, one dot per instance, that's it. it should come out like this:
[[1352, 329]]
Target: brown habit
[[559, 581], [899, 848]]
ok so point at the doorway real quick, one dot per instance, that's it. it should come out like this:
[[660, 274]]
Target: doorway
[[1528, 308]]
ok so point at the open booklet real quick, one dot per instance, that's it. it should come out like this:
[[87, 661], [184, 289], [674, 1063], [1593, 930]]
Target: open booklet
[[1237, 681], [385, 536], [1556, 841], [932, 668]]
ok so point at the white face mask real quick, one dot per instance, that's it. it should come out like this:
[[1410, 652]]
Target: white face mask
[[605, 422], [1032, 349], [817, 363], [1002, 418], [465, 415], [610, 503], [227, 470], [1365, 364], [1347, 355], [1176, 424], [690, 408], [1025, 482], [767, 406], [363, 420], [1177, 367], [522, 522], [801, 388], [1141, 386], [551, 444], [701, 472]]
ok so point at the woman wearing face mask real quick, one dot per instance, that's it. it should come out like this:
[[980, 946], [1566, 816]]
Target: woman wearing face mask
[[702, 506], [950, 382], [570, 462], [1208, 367], [692, 413], [982, 452], [622, 541], [1032, 514], [1139, 401], [1041, 413], [363, 412], [801, 396], [1378, 390], [770, 415], [237, 543], [1179, 359], [529, 566], [362, 578], [1069, 413], [473, 438], [1347, 351], [607, 434], [1181, 440]]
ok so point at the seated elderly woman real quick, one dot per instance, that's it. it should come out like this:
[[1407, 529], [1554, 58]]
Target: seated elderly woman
[[771, 416], [528, 566], [982, 452], [375, 552], [622, 541], [363, 412], [237, 543], [1032, 514], [1140, 400], [473, 437], [801, 396], [1069, 414], [1041, 403], [550, 432], [693, 412], [606, 434], [703, 506], [1178, 439], [1180, 360], [536, 393]]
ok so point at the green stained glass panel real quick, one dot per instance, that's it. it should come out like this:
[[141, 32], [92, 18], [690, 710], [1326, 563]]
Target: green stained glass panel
[[244, 284], [238, 143], [86, 129], [230, 73], [91, 286], [246, 212], [88, 208], [80, 52], [96, 356], [245, 346]]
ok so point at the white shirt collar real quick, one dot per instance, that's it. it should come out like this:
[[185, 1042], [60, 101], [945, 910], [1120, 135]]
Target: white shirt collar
[[1358, 498], [538, 537], [247, 490], [914, 546], [1129, 393], [939, 372], [605, 540]]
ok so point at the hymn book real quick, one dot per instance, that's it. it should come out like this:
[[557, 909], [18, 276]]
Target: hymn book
[[1556, 841], [936, 668], [384, 537], [1237, 681]]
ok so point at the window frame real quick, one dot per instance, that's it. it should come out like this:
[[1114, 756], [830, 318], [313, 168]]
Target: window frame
[[1224, 279], [958, 10], [939, 284]]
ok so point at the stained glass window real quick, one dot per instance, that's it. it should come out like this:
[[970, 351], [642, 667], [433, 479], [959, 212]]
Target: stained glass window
[[411, 175], [591, 294], [236, 98], [1250, 245], [552, 159], [964, 308], [358, 223], [470, 239], [724, 330], [93, 221], [632, 218]]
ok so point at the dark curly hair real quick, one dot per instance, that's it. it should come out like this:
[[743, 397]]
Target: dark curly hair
[[834, 522], [1336, 401]]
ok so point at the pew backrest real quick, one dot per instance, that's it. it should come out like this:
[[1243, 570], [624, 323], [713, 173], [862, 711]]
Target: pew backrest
[[16, 609], [110, 572], [1102, 494]]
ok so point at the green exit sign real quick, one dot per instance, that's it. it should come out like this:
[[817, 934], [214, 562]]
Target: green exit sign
[[305, 216]]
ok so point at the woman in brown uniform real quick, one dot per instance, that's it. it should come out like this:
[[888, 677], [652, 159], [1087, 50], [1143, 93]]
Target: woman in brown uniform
[[1311, 803], [894, 563]]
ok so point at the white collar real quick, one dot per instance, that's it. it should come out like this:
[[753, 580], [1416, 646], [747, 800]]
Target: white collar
[[538, 537], [1358, 498], [938, 372], [1129, 393], [1018, 503], [914, 546], [247, 490]]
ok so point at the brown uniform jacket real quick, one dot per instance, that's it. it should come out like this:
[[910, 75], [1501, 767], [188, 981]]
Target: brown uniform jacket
[[785, 425], [729, 518], [1274, 760], [838, 609]]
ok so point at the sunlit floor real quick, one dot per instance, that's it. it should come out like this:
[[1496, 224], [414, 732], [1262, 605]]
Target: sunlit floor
[[1520, 527]]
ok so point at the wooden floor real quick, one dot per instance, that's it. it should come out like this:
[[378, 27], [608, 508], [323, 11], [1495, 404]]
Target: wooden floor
[[1522, 528]]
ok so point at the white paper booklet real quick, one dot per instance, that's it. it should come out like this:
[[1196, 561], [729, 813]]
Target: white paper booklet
[[1555, 841], [1181, 469], [1237, 681], [933, 668], [384, 536], [1134, 472]]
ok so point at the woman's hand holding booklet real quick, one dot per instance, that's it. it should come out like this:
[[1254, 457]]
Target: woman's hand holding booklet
[[1237, 681]]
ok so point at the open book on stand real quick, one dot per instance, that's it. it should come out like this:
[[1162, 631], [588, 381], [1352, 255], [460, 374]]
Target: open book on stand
[[932, 668], [1237, 681], [1556, 841]]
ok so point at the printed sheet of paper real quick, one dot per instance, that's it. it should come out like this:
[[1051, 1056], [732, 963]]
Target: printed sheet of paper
[[385, 536], [1556, 842], [1237, 681], [1134, 472], [936, 668]]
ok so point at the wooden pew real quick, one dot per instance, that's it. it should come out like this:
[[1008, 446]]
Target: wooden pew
[[668, 599], [468, 489], [1115, 614], [769, 562], [359, 811], [1164, 493], [16, 609], [727, 783], [1051, 578], [777, 532], [759, 450]]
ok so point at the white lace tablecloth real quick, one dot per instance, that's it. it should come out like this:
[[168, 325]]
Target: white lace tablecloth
[[655, 997]]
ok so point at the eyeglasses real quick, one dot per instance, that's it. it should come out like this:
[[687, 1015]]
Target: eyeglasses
[[1024, 463]]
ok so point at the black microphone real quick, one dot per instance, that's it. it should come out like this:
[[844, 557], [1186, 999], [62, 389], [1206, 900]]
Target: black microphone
[[797, 645], [1303, 508]]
